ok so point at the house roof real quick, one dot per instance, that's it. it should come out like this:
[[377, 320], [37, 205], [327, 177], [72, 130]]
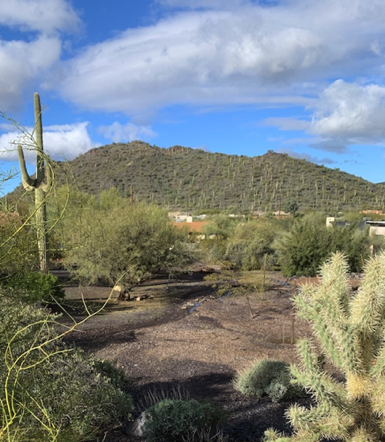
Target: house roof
[[195, 226]]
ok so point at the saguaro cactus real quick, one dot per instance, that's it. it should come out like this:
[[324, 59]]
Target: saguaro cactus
[[40, 185], [350, 328]]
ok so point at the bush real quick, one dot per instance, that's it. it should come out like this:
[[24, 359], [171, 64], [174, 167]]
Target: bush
[[250, 243], [50, 391], [309, 244], [111, 242], [267, 378], [173, 420], [36, 286], [18, 248]]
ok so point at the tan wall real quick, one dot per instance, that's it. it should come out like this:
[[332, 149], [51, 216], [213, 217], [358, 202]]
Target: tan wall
[[377, 230]]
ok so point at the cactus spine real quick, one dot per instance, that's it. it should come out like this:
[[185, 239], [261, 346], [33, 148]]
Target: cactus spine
[[40, 185], [350, 328]]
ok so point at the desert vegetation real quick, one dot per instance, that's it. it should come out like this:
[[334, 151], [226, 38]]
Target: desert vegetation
[[191, 179], [52, 390]]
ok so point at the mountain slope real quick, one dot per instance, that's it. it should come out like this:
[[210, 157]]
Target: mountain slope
[[185, 178]]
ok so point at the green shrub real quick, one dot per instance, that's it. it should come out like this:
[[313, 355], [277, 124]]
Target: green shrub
[[36, 286], [49, 391], [267, 378], [114, 242], [309, 244], [173, 420], [250, 244]]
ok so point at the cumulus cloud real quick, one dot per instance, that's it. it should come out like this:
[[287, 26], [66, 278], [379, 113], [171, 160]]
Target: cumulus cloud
[[27, 62], [118, 132], [344, 114], [239, 56], [45, 16], [352, 112], [61, 142], [21, 63]]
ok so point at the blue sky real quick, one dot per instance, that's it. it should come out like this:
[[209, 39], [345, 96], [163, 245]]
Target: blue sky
[[302, 77]]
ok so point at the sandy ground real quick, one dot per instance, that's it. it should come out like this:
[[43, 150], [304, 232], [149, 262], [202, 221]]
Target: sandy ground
[[184, 337]]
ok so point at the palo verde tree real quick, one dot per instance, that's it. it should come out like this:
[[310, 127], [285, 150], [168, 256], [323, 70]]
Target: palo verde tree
[[350, 328], [41, 184], [107, 240]]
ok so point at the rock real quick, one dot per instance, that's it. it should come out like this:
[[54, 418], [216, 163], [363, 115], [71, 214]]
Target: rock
[[135, 427]]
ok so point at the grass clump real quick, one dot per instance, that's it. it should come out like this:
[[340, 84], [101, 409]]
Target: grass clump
[[267, 378], [176, 420]]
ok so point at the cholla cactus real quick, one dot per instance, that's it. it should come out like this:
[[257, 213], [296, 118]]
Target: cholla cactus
[[41, 184], [350, 328]]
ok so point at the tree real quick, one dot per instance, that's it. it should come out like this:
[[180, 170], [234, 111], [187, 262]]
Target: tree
[[350, 329], [107, 240]]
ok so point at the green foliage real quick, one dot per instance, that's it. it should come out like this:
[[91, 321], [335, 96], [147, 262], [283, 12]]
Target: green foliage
[[173, 420], [18, 247], [180, 177], [349, 327], [48, 390], [109, 241], [35, 286], [307, 246], [251, 244], [267, 378], [291, 207]]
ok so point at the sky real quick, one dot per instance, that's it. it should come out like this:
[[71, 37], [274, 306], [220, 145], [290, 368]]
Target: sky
[[302, 77]]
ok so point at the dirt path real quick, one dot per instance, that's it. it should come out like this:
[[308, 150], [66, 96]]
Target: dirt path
[[199, 348]]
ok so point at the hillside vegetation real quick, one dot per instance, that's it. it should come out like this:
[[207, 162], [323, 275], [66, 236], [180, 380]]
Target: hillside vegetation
[[185, 178]]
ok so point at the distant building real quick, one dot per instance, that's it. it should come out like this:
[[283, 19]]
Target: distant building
[[376, 227], [281, 213], [180, 217]]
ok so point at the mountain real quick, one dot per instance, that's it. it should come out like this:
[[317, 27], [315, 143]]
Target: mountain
[[185, 178]]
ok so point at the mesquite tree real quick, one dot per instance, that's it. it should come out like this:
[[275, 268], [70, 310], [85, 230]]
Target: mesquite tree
[[350, 328], [41, 184]]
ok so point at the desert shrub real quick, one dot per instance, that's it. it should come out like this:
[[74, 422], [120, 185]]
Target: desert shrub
[[309, 244], [49, 391], [217, 233], [115, 375], [267, 378], [111, 241], [250, 243], [172, 420], [35, 286], [18, 248]]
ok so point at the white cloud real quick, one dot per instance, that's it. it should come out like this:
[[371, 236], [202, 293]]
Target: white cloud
[[214, 57], [61, 142], [344, 114], [197, 4], [352, 112], [118, 132], [45, 16], [21, 63], [27, 62]]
